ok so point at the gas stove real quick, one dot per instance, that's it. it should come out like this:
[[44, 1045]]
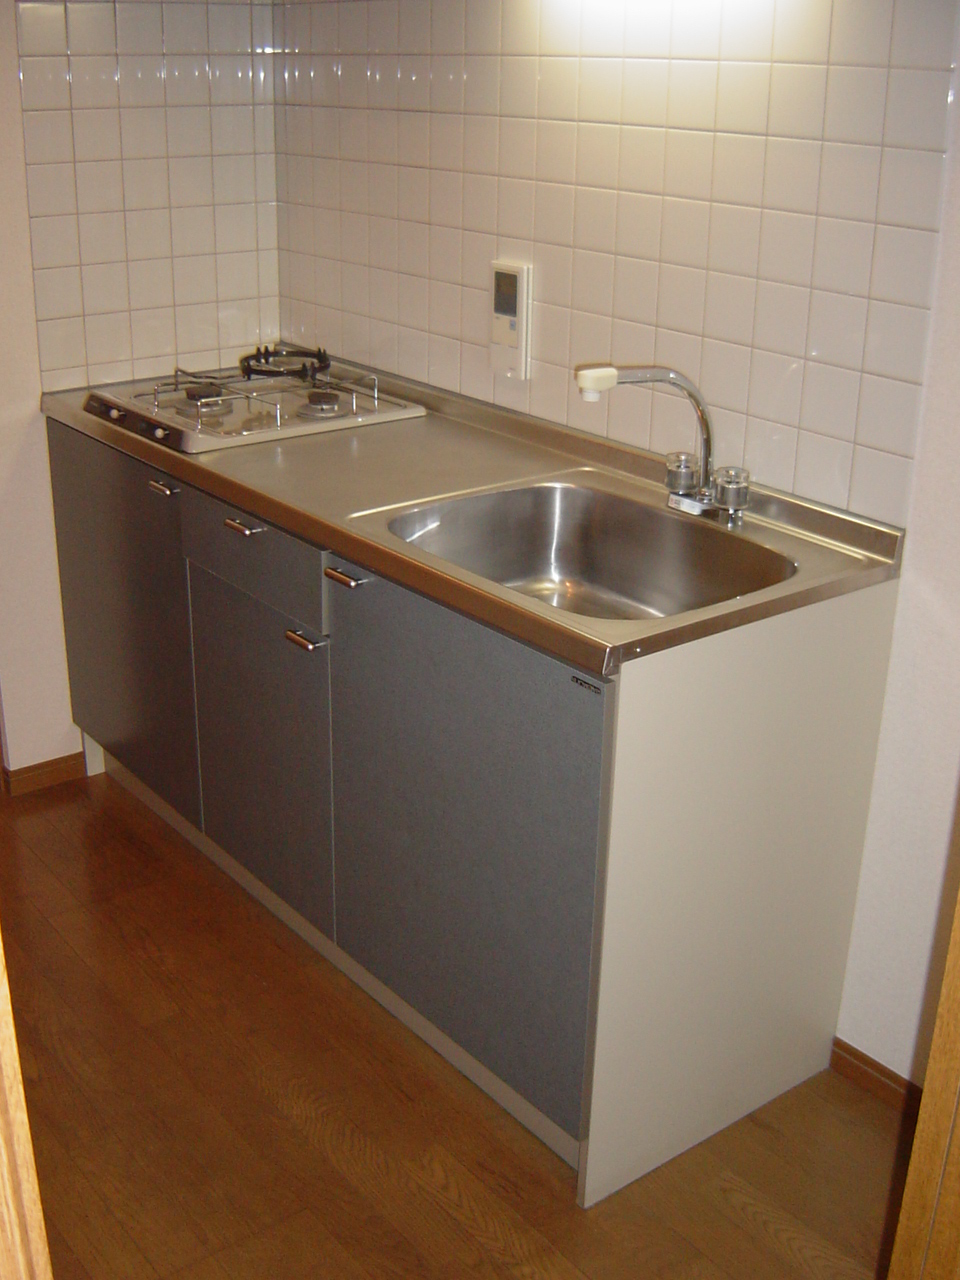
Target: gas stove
[[274, 394]]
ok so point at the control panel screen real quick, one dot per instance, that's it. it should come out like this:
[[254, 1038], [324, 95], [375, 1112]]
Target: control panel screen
[[505, 294]]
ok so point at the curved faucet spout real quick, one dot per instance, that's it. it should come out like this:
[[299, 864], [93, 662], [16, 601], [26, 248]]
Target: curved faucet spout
[[594, 378]]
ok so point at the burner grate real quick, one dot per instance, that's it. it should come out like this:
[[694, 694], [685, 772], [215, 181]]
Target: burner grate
[[197, 398], [292, 391], [288, 360]]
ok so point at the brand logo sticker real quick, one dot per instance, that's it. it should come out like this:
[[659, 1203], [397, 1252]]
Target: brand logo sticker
[[585, 684]]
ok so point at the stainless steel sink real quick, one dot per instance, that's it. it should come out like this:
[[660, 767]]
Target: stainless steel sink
[[591, 552]]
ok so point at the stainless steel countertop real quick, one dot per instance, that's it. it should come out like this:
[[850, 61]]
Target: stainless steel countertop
[[338, 490]]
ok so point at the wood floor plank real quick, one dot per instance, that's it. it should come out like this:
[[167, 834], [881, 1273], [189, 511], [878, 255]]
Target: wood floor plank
[[372, 1168], [95, 816], [503, 1234], [99, 948], [98, 1089], [66, 1265], [361, 1132], [119, 1071], [628, 1245], [90, 869], [102, 800], [216, 1102], [24, 875], [297, 1249], [348, 1213], [158, 1221], [766, 1148], [701, 1200], [79, 1211], [803, 1251]]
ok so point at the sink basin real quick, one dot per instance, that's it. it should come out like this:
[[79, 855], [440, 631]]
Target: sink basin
[[592, 553]]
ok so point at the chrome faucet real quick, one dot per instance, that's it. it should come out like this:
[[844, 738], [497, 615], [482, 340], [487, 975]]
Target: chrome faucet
[[594, 378], [695, 491]]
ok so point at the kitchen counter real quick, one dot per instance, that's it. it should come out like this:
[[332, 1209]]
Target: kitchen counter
[[338, 489], [621, 906]]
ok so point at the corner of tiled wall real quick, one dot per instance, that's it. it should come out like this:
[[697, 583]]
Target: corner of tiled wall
[[151, 180], [747, 189]]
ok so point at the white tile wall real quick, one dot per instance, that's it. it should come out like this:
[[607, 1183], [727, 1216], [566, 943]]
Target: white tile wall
[[154, 229], [749, 190]]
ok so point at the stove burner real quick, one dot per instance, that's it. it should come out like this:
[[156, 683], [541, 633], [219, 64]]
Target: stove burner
[[202, 391], [321, 404], [324, 399], [204, 401]]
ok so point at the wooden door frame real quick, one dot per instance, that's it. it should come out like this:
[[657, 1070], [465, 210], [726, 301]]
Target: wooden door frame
[[24, 1254], [927, 1244]]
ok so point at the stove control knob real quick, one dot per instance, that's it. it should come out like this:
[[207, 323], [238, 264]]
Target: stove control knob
[[116, 414], [160, 433]]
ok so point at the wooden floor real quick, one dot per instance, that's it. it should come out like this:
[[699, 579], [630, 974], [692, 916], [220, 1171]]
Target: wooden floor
[[211, 1100]]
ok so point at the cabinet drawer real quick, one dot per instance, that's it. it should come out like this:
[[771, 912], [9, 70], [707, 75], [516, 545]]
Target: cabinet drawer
[[254, 556]]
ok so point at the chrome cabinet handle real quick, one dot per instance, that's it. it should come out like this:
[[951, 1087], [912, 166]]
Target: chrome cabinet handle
[[163, 489], [301, 641], [245, 529], [337, 575]]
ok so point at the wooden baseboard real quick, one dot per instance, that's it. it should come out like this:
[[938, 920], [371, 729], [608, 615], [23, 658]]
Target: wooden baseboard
[[874, 1076], [16, 782]]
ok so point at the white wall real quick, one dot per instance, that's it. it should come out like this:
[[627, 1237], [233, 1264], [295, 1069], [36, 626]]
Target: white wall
[[745, 189], [887, 1005], [35, 721]]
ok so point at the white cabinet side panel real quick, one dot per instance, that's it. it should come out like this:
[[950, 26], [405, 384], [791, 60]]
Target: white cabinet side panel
[[735, 847]]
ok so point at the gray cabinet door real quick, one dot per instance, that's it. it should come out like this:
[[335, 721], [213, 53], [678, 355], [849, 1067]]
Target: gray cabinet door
[[263, 706], [467, 794], [126, 612]]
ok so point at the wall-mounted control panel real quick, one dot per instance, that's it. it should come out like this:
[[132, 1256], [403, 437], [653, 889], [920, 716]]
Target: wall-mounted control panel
[[511, 302]]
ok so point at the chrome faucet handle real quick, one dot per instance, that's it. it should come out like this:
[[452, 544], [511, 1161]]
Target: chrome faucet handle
[[683, 473], [732, 485]]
